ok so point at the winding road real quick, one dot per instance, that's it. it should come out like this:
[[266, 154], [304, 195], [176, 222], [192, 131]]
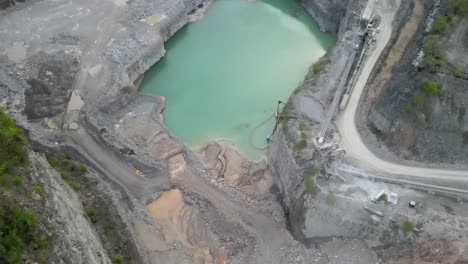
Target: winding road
[[352, 141]]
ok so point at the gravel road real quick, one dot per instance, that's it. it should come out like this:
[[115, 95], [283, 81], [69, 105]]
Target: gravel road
[[351, 141]]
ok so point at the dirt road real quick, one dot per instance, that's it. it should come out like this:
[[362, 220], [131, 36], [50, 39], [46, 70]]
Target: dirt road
[[351, 139]]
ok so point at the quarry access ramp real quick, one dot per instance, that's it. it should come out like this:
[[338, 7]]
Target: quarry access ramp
[[351, 139], [336, 99]]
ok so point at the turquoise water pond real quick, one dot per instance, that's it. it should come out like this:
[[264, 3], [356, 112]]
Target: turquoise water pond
[[223, 75]]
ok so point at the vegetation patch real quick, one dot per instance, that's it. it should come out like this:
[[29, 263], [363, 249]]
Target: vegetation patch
[[285, 117], [408, 226], [408, 108], [316, 68], [419, 101], [434, 61], [17, 228], [460, 7], [309, 180], [98, 208], [432, 88], [440, 25], [459, 71], [20, 236], [331, 198], [12, 143]]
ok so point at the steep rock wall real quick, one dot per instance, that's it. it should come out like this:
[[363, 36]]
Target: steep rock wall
[[288, 174], [77, 241]]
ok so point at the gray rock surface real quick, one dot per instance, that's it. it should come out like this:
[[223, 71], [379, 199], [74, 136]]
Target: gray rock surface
[[287, 173], [77, 241], [435, 132]]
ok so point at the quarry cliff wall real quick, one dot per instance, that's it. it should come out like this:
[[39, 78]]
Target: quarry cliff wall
[[288, 170]]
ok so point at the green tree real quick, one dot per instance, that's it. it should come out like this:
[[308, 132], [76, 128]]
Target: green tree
[[440, 25], [460, 7], [431, 88], [16, 227], [432, 45]]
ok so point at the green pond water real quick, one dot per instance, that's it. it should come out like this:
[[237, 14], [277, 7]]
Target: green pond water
[[223, 75]]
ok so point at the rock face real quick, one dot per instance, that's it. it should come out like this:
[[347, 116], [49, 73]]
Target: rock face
[[416, 125], [327, 13], [287, 173], [77, 241], [288, 165]]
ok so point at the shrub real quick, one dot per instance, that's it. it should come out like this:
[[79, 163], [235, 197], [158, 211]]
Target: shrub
[[73, 184], [408, 108], [53, 161], [331, 198], [431, 88], [309, 180], [65, 174], [460, 7], [434, 64], [433, 58], [459, 71], [17, 180], [302, 144], [91, 212], [316, 68], [302, 126], [3, 180], [118, 258], [83, 168], [16, 228], [432, 46], [41, 241], [419, 101], [66, 163], [408, 226], [38, 189], [3, 168], [440, 25]]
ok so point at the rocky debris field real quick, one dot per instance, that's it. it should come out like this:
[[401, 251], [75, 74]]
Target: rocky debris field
[[50, 85]]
